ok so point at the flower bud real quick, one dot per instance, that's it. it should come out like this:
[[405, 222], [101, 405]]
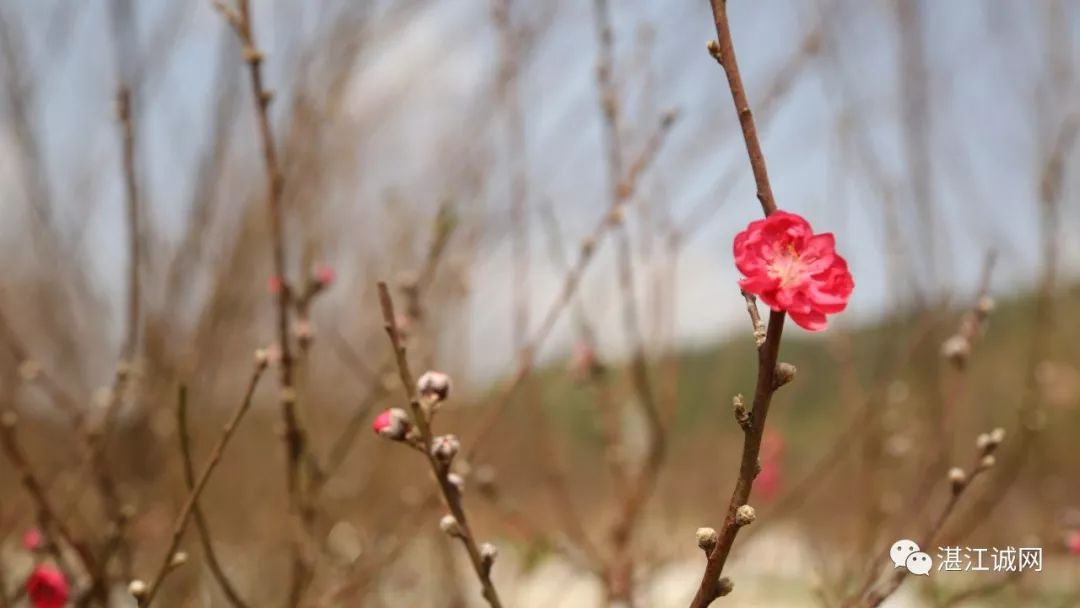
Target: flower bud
[[178, 559], [392, 424], [457, 481], [449, 525], [137, 589], [785, 372], [957, 478], [445, 447], [987, 461], [488, 553], [706, 539], [742, 416], [997, 435], [956, 349], [274, 284], [724, 586], [434, 385], [262, 358], [745, 515]]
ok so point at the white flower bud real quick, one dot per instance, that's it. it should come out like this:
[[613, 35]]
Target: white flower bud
[[137, 589], [450, 526], [745, 515], [707, 539], [445, 447], [958, 478], [956, 349], [434, 385]]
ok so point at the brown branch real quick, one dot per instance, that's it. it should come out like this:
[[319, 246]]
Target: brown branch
[[572, 280], [870, 597], [723, 50], [293, 436], [441, 469], [47, 514], [201, 525], [710, 587], [190, 504], [1030, 415], [127, 133]]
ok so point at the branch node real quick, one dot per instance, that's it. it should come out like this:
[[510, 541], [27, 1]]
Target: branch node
[[742, 415]]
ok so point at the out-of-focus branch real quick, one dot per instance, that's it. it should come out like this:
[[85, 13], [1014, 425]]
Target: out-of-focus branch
[[47, 514], [294, 436], [960, 481], [571, 281], [1030, 416], [188, 510], [201, 525]]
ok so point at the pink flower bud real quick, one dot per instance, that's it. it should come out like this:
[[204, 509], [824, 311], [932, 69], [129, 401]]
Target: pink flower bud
[[47, 588], [275, 284], [392, 424], [434, 385], [31, 539], [325, 275]]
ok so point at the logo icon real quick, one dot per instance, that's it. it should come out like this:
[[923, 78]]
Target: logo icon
[[906, 554]]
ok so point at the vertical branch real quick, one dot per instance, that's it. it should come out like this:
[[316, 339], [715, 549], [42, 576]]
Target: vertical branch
[[739, 513], [723, 50], [619, 581], [127, 132], [242, 23]]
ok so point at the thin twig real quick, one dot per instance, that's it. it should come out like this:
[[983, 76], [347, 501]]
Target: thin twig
[[293, 436], [572, 280], [201, 524], [190, 504], [441, 470], [48, 515], [870, 597]]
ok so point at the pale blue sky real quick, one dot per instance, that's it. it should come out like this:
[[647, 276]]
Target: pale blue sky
[[425, 79]]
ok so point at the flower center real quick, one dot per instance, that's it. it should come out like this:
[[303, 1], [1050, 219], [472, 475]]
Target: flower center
[[787, 266]]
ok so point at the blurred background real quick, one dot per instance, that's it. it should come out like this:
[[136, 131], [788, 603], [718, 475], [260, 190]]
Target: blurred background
[[471, 154]]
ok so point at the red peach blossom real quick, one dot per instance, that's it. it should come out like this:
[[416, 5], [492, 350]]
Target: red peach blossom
[[792, 269], [47, 588]]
